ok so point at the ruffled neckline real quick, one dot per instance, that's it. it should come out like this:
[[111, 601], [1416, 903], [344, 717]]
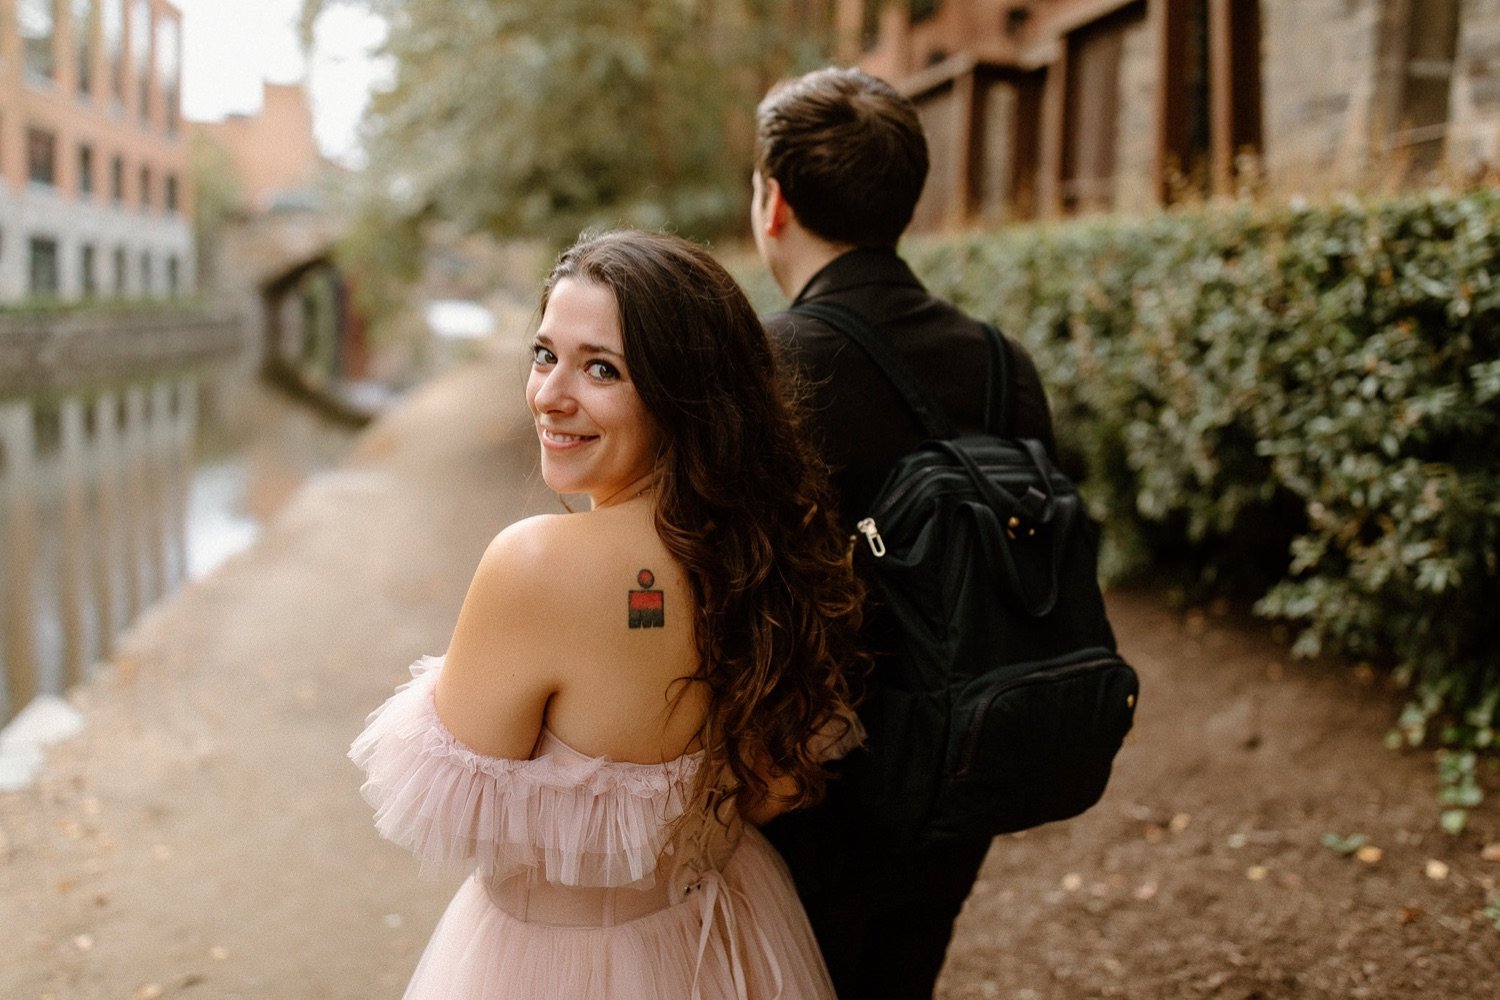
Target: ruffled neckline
[[579, 819], [555, 751]]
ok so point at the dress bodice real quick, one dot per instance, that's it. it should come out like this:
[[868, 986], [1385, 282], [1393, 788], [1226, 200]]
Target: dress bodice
[[562, 817]]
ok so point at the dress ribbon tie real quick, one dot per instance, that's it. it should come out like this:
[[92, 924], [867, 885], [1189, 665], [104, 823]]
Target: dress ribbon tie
[[717, 901]]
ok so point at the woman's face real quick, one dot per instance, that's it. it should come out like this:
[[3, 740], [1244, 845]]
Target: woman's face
[[595, 433]]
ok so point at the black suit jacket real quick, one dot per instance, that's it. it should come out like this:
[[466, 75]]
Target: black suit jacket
[[859, 422]]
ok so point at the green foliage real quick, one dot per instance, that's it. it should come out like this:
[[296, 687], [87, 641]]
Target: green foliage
[[1302, 403], [517, 118], [217, 193]]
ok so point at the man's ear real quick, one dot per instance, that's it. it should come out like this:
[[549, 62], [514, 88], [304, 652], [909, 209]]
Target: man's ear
[[776, 212]]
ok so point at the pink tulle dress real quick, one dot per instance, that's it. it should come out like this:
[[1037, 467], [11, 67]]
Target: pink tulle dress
[[592, 878]]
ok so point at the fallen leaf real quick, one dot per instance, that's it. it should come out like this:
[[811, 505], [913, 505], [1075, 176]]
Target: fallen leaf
[[1436, 870], [1257, 873], [1410, 913], [1369, 854], [1179, 822], [1344, 846], [1491, 852], [1072, 881]]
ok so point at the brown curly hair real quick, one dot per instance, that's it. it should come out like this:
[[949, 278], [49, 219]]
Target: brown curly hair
[[743, 504]]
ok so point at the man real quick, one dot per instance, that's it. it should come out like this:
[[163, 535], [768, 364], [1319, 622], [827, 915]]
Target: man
[[840, 163]]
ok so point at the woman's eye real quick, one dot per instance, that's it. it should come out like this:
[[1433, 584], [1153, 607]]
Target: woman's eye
[[541, 356], [602, 370]]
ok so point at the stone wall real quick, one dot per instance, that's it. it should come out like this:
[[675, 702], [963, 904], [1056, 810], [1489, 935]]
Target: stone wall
[[1474, 138], [53, 352], [1135, 133], [1318, 76]]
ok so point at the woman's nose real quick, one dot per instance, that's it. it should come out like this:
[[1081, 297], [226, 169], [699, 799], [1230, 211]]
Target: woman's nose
[[552, 392]]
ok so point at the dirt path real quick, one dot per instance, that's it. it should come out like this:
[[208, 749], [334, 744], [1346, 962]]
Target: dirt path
[[203, 838], [1202, 873]]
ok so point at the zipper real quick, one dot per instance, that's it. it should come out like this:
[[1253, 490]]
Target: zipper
[[867, 528], [971, 739]]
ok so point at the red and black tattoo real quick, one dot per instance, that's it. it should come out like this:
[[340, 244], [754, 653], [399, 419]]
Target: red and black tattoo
[[646, 608]]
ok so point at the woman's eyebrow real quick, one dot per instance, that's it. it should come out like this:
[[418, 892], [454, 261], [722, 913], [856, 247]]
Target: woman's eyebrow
[[546, 342]]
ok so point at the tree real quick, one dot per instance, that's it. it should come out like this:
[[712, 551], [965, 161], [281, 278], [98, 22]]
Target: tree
[[544, 117], [217, 197]]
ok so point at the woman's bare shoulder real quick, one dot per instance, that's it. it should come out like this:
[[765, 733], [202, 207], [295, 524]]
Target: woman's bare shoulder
[[566, 553]]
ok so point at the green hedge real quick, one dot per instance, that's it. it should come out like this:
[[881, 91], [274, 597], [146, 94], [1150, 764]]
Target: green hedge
[[1303, 401]]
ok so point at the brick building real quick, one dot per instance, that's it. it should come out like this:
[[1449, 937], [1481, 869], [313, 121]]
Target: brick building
[[273, 153], [1041, 108], [94, 181]]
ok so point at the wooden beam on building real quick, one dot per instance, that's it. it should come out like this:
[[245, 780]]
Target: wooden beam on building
[[1169, 22], [1053, 138], [1221, 96], [964, 142]]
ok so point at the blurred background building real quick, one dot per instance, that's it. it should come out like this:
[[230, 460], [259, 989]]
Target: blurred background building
[[95, 195], [1042, 108]]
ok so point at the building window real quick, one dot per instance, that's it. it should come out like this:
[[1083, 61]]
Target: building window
[[117, 180], [43, 267], [38, 23], [85, 13], [1212, 96], [88, 270], [173, 198], [41, 157], [169, 68], [146, 274], [145, 189], [1092, 117], [140, 50], [112, 28], [174, 276], [85, 171], [119, 271]]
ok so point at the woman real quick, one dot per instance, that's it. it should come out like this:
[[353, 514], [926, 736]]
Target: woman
[[625, 685]]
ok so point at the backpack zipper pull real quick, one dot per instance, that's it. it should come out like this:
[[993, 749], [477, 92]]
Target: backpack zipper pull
[[872, 535]]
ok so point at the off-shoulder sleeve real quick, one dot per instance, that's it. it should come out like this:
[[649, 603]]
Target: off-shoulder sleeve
[[577, 820]]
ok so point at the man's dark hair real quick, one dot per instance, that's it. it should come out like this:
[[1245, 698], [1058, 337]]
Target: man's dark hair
[[848, 152]]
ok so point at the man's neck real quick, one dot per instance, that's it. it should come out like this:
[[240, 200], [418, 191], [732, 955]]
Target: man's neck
[[803, 255]]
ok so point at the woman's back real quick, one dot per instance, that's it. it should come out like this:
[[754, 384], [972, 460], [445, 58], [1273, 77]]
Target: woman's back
[[592, 612], [619, 619]]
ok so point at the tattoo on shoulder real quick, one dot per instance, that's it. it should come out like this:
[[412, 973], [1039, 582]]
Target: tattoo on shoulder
[[646, 608]]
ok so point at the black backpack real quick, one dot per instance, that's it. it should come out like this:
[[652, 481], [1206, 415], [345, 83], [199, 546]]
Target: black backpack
[[1000, 700]]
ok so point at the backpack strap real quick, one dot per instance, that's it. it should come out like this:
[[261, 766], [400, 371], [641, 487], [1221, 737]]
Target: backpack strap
[[934, 423], [997, 398]]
